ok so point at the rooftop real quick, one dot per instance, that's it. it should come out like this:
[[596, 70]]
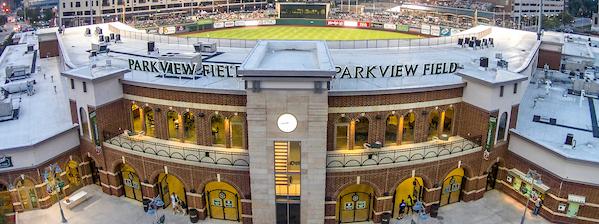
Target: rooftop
[[573, 115], [515, 46]]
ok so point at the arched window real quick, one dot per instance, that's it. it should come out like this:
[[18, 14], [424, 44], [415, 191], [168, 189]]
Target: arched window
[[84, 123], [217, 125], [136, 118], [448, 121], [342, 134], [433, 125], [361, 133], [172, 119], [189, 125], [391, 130], [409, 123], [72, 172], [236, 132], [150, 122], [501, 127]]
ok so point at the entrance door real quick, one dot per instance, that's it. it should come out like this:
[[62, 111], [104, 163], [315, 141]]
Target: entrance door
[[452, 188], [492, 177], [166, 196], [355, 207], [27, 195], [132, 185], [94, 172], [223, 205]]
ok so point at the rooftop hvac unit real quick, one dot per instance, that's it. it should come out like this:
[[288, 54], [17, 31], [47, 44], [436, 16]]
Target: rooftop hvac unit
[[88, 32], [570, 140], [460, 41], [208, 47], [103, 48], [498, 56], [502, 64], [485, 43], [98, 31], [467, 40], [484, 62], [30, 48], [101, 38], [93, 53], [107, 39], [112, 36], [197, 47], [117, 38], [491, 42], [471, 44], [151, 46]]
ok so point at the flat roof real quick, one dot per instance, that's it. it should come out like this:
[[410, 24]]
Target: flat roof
[[572, 117], [515, 46], [42, 115]]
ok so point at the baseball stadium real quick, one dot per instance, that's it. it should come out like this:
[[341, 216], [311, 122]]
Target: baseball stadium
[[297, 113]]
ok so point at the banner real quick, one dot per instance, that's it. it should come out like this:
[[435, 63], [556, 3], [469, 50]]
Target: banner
[[389, 26], [167, 30], [252, 23], [377, 25], [239, 23], [268, 22], [350, 23], [435, 30], [229, 24], [491, 133], [455, 31], [363, 24]]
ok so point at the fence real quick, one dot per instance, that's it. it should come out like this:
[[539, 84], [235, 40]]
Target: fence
[[207, 156], [332, 44], [382, 157]]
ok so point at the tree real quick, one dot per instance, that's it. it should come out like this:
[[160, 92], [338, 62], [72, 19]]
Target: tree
[[566, 18]]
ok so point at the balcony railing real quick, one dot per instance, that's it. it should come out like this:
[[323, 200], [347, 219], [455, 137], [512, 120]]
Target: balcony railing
[[336, 159], [200, 154]]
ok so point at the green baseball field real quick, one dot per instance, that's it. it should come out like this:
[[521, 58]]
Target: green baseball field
[[300, 33]]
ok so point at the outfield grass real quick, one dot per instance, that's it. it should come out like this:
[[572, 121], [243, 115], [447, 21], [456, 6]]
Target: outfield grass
[[300, 33]]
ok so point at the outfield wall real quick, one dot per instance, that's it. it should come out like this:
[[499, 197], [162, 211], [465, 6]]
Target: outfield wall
[[478, 32]]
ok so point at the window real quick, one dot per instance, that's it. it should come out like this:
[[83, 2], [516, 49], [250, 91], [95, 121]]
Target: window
[[72, 84], [71, 4], [361, 133], [217, 124], [84, 123], [502, 127], [189, 128], [342, 134], [391, 130], [236, 132], [77, 4], [409, 123], [149, 121], [86, 4], [447, 121], [64, 5], [173, 125], [501, 91], [515, 88], [84, 87], [433, 125]]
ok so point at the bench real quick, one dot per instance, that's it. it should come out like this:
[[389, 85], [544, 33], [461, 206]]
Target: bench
[[75, 199]]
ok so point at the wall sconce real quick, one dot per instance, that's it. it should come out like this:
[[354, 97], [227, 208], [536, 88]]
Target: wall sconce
[[201, 114], [216, 112], [236, 113], [362, 114], [187, 110], [147, 105], [392, 112], [170, 108], [342, 115]]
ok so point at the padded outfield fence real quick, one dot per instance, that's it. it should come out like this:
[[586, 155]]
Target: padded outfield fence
[[478, 32]]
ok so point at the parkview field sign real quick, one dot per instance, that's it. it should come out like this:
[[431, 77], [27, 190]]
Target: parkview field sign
[[342, 72]]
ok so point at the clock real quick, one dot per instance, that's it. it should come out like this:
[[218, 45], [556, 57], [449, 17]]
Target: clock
[[287, 123]]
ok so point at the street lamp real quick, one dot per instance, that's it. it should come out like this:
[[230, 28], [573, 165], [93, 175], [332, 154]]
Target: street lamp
[[533, 177], [55, 185]]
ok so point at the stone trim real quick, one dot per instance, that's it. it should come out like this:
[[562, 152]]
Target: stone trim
[[201, 106], [474, 191], [390, 107], [477, 177], [246, 216], [380, 213], [199, 195], [552, 196], [384, 198], [16, 203], [330, 217], [104, 185], [246, 200], [147, 185], [330, 202]]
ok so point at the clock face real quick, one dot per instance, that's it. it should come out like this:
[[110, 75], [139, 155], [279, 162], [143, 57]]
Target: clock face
[[287, 123]]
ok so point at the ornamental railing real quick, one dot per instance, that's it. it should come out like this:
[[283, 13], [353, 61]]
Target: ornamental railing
[[401, 155], [199, 155]]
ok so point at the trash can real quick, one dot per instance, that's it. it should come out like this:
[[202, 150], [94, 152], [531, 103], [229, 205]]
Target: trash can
[[146, 203], [434, 210], [386, 218], [193, 215]]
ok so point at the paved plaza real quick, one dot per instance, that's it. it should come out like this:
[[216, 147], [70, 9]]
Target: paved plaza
[[494, 208]]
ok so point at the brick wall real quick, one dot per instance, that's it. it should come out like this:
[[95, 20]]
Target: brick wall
[[551, 58], [111, 118], [49, 48], [193, 97], [400, 98]]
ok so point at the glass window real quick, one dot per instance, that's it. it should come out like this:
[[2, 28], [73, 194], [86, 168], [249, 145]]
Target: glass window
[[391, 130], [150, 122], [236, 132], [136, 118], [502, 127], [448, 121], [409, 123], [84, 123], [217, 124], [433, 124], [361, 134], [172, 118], [189, 125], [341, 134]]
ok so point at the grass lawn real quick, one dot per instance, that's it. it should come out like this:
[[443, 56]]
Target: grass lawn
[[300, 33]]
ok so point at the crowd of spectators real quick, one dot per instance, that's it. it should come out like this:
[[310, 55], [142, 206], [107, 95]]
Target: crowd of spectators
[[181, 19]]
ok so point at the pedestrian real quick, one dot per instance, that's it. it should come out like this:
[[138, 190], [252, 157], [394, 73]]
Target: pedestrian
[[538, 204], [402, 207], [174, 203], [409, 205], [418, 207]]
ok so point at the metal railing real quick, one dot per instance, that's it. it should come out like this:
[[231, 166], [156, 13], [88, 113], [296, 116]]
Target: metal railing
[[382, 157], [207, 156], [332, 44]]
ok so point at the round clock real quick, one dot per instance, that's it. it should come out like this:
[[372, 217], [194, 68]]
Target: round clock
[[287, 123]]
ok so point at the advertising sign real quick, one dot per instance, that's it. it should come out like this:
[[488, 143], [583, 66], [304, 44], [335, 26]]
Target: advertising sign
[[167, 30], [229, 24], [377, 25], [445, 31], [435, 30], [414, 29], [491, 133], [252, 23], [455, 31], [268, 22], [350, 23], [425, 29], [239, 23], [363, 24], [218, 25], [389, 26], [334, 22], [403, 28]]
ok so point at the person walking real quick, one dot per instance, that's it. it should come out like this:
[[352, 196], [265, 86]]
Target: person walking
[[174, 203], [538, 204], [402, 208]]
